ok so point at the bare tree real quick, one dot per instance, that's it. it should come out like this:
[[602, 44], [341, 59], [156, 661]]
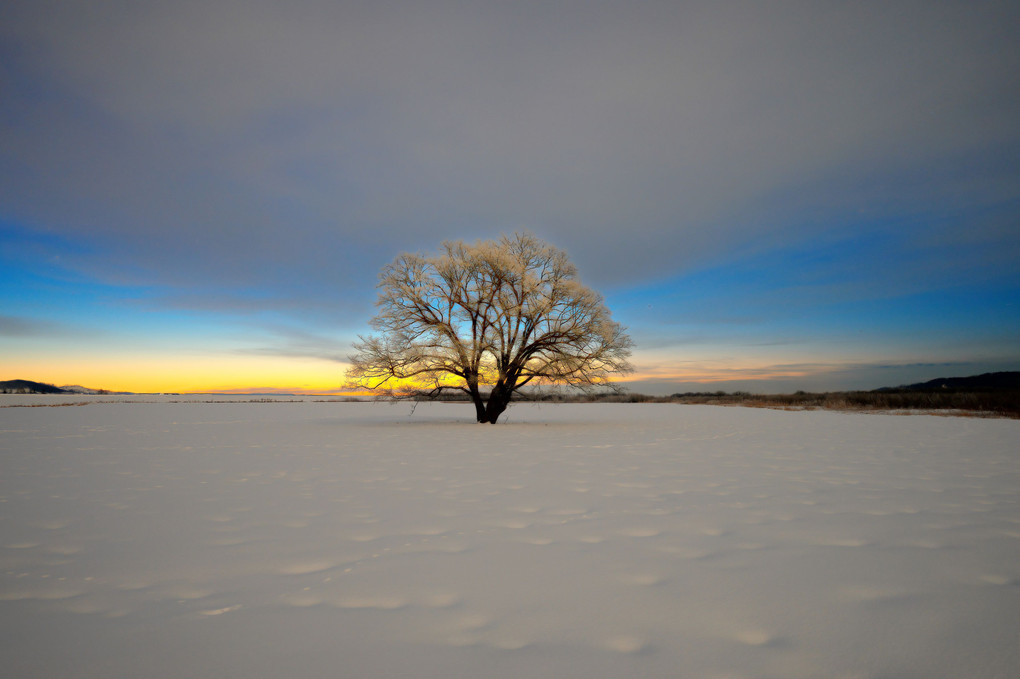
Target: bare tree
[[495, 316]]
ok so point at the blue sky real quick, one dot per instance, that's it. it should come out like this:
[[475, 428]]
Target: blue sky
[[771, 196]]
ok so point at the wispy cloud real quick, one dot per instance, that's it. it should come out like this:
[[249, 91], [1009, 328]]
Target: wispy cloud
[[818, 376], [290, 342], [23, 327]]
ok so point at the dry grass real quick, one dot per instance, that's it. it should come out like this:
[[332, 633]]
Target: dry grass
[[946, 402]]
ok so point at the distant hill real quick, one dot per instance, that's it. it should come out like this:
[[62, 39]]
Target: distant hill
[[989, 381], [77, 389], [28, 387]]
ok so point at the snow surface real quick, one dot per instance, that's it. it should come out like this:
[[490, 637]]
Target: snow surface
[[356, 540]]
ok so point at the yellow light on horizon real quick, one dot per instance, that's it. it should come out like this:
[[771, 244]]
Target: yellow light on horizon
[[228, 372], [141, 373]]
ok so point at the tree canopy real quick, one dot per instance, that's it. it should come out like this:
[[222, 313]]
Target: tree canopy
[[488, 319]]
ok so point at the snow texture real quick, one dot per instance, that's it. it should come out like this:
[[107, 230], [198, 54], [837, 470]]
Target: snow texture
[[239, 540]]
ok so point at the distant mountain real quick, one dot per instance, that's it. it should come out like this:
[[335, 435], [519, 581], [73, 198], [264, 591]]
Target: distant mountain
[[78, 389], [28, 387], [987, 381]]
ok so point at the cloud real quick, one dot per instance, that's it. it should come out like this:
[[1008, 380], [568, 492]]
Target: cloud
[[252, 144], [296, 352], [289, 342], [818, 376], [22, 327], [300, 301]]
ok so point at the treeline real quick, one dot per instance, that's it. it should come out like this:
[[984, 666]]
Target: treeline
[[994, 402], [1005, 402]]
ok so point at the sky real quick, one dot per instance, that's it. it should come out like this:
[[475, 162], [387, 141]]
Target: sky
[[771, 196]]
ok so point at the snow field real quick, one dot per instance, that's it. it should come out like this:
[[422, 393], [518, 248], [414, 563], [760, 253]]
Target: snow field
[[574, 540]]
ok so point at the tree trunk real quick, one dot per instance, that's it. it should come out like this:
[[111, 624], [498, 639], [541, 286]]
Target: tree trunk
[[476, 398], [499, 399], [479, 407]]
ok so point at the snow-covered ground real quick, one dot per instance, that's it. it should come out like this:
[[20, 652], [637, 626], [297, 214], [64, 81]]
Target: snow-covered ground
[[356, 540]]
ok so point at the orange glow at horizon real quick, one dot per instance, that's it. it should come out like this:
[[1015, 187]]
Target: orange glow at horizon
[[184, 374], [710, 371], [239, 373]]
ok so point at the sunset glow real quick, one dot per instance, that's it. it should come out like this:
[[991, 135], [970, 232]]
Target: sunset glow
[[175, 373]]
